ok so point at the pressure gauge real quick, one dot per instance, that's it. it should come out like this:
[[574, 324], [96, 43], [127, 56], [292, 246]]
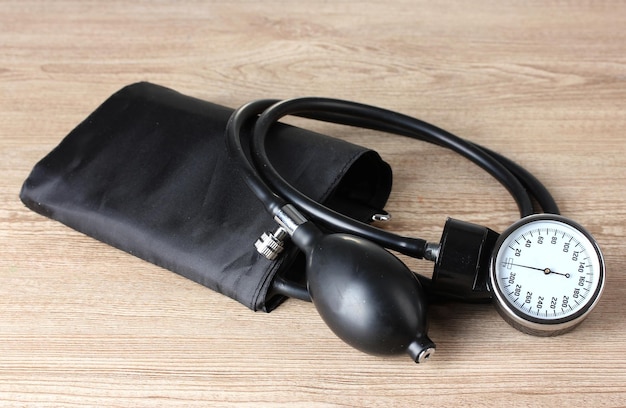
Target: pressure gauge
[[546, 274]]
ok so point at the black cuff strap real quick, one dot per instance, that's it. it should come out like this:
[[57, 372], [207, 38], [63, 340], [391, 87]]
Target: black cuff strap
[[148, 172]]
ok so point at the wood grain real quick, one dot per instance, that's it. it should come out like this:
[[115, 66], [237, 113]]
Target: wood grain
[[83, 324]]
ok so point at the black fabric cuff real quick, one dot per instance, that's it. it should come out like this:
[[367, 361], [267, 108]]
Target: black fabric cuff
[[148, 172]]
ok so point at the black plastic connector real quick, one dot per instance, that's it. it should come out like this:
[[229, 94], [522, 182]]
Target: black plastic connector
[[462, 266]]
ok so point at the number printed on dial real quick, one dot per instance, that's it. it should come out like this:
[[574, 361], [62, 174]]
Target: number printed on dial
[[548, 269]]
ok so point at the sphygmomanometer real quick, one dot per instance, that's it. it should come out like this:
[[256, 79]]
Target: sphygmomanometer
[[154, 172]]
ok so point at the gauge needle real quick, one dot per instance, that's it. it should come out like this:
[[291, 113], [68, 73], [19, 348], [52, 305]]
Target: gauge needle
[[546, 271]]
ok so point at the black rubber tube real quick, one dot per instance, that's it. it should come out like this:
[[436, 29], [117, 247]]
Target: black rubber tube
[[275, 192]]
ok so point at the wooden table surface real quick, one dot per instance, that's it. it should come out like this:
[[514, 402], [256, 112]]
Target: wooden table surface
[[543, 82]]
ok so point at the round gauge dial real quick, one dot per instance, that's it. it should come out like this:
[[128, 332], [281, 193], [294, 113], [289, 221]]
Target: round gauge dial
[[547, 273]]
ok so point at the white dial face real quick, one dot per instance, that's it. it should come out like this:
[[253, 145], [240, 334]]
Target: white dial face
[[548, 270]]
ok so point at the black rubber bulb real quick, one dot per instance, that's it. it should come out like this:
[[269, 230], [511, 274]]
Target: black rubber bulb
[[366, 295]]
